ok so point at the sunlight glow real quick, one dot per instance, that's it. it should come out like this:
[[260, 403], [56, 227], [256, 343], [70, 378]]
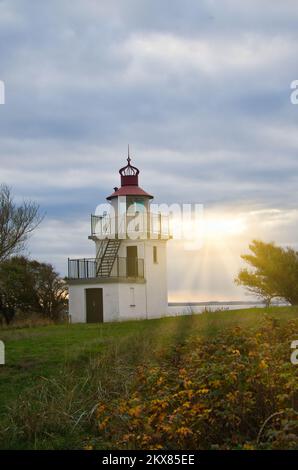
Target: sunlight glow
[[214, 228], [210, 249], [208, 228]]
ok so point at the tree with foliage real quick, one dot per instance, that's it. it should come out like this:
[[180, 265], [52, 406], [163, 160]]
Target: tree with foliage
[[29, 286], [51, 291], [17, 222], [274, 272]]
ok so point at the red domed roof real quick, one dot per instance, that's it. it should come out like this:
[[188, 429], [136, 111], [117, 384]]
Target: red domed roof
[[129, 191], [129, 182]]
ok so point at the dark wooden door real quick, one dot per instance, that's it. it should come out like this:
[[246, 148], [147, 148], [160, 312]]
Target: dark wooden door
[[132, 261], [94, 305]]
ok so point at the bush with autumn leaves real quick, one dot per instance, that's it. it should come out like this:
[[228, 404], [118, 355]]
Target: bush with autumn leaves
[[236, 389]]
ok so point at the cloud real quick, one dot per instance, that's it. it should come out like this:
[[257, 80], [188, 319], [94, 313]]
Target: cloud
[[157, 55], [201, 91]]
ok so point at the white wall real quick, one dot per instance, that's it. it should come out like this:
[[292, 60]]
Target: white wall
[[117, 301], [156, 279], [77, 301], [127, 310], [155, 289]]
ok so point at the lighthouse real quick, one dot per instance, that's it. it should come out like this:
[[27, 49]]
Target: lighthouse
[[127, 278]]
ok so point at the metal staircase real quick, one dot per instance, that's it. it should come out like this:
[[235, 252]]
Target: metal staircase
[[106, 255]]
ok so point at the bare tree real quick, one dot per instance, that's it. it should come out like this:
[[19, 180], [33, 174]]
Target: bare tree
[[17, 222]]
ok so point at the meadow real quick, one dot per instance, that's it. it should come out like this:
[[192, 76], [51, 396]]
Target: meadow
[[220, 380]]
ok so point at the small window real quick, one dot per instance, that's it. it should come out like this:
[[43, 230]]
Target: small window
[[155, 259], [132, 296]]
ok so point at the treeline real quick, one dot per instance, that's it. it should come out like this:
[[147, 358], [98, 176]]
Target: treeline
[[27, 287], [31, 287]]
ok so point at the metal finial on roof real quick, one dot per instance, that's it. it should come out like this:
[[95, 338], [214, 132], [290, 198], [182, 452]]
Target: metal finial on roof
[[129, 170]]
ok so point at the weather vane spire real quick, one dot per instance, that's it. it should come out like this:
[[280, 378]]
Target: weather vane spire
[[128, 155]]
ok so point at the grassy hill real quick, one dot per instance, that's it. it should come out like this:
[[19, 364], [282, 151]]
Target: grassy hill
[[200, 381]]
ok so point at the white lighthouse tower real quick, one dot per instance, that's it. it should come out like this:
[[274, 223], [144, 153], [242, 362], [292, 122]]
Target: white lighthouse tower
[[127, 279]]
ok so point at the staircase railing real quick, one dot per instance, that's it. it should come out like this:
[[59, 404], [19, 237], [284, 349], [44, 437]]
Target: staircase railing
[[106, 261]]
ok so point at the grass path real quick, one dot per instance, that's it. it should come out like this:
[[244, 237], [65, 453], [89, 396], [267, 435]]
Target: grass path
[[45, 352]]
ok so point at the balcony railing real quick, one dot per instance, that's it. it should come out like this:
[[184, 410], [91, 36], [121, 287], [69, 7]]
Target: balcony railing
[[92, 268], [133, 226]]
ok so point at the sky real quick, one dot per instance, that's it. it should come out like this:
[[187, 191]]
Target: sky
[[200, 91]]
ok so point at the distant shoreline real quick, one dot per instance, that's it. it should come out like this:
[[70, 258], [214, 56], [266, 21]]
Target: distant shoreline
[[232, 302]]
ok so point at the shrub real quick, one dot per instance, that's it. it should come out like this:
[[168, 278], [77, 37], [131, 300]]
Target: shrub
[[210, 393]]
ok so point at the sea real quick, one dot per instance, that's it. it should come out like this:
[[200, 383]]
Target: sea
[[189, 308]]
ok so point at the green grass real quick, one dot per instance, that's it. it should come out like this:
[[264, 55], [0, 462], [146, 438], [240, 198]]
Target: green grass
[[52, 364]]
